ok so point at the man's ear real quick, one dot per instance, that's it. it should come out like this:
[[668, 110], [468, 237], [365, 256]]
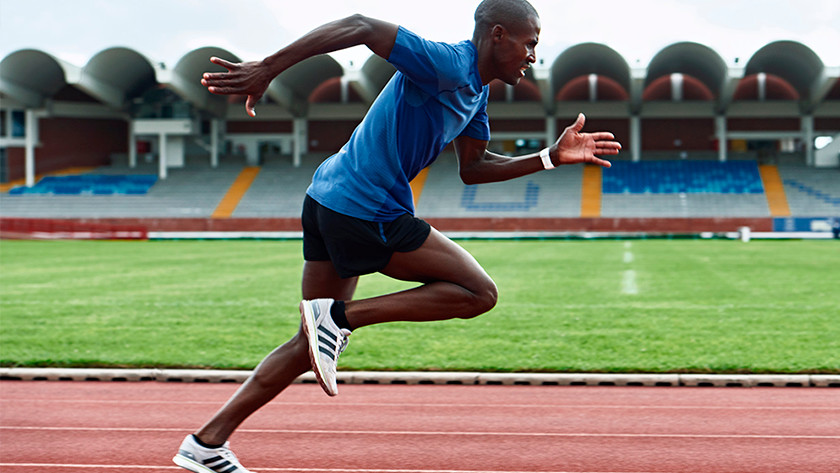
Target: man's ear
[[498, 32]]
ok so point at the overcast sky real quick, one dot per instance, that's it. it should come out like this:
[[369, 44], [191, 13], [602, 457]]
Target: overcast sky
[[164, 30]]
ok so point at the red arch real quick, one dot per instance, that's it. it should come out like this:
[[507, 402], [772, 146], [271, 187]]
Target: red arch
[[524, 91], [577, 89], [330, 92], [693, 89], [776, 88]]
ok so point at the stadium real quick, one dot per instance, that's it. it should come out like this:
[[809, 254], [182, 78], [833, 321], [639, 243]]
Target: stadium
[[708, 146], [634, 331]]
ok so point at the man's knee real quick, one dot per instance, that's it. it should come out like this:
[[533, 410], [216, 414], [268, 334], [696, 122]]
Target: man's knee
[[485, 296]]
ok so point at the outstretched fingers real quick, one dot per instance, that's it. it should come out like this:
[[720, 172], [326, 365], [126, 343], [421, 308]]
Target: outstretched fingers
[[221, 62], [599, 162], [605, 143], [223, 87], [251, 105], [602, 136], [608, 147], [226, 83], [577, 126]]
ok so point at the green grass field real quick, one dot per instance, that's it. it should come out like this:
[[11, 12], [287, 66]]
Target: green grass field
[[565, 306]]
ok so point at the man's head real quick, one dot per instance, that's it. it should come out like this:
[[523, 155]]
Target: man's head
[[506, 33]]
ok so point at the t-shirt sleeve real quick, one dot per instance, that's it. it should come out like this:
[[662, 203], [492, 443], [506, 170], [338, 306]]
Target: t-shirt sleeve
[[479, 126], [432, 66]]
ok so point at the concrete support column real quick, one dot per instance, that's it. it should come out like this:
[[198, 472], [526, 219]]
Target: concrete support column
[[215, 129], [299, 147], [162, 145], [30, 140], [508, 93], [550, 130], [636, 138], [132, 145], [808, 138], [720, 134]]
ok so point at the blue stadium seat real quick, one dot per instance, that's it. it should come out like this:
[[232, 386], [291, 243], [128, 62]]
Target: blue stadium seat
[[90, 184], [689, 177]]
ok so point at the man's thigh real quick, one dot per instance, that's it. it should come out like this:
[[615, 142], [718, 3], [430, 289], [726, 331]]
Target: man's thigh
[[321, 281], [438, 259]]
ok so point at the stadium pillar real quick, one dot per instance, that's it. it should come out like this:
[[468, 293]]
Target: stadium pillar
[[299, 141], [807, 123], [550, 130], [720, 134], [31, 137], [215, 127], [132, 145], [162, 160], [636, 137]]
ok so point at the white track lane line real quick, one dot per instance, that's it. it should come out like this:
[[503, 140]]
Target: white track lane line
[[291, 470], [432, 433], [338, 405]]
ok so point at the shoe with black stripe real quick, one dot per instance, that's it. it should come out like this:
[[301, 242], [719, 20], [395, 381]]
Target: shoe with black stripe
[[198, 459], [326, 341]]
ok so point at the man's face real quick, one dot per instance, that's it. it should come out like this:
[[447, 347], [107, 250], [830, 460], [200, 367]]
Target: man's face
[[515, 49]]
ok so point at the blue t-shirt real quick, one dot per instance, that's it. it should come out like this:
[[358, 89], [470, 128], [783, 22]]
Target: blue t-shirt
[[435, 96]]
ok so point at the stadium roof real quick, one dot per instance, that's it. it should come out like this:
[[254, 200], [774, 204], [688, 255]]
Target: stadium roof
[[589, 72]]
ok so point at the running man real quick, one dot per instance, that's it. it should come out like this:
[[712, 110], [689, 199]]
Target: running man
[[358, 213]]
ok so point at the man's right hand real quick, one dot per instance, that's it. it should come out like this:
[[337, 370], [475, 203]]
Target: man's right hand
[[245, 78]]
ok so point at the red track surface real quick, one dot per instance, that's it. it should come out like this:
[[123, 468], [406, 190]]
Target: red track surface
[[73, 427]]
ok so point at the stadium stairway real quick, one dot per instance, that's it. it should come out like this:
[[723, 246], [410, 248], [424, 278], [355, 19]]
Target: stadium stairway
[[236, 192]]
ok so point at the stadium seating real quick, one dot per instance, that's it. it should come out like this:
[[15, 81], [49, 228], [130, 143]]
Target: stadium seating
[[191, 192], [278, 190], [700, 188], [90, 184], [810, 191], [656, 188], [547, 194], [689, 177]]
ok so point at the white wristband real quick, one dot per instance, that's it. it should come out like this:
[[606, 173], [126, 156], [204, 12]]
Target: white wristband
[[546, 159]]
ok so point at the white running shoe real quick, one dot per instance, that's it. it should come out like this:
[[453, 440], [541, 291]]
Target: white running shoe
[[198, 459], [326, 341]]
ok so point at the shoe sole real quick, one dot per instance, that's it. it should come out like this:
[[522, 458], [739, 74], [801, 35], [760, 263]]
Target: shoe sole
[[307, 318], [188, 464]]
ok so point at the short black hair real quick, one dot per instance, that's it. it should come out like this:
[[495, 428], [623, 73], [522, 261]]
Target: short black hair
[[502, 12]]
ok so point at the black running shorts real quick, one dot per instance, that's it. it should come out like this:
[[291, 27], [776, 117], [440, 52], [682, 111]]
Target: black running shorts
[[355, 246]]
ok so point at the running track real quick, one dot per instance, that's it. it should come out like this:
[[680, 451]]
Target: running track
[[110, 427]]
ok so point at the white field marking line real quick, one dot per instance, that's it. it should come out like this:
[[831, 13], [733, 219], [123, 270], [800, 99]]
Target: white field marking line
[[628, 279], [434, 433], [306, 470], [281, 404], [628, 283]]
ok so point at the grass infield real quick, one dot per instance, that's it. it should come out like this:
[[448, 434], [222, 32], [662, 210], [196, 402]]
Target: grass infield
[[654, 306]]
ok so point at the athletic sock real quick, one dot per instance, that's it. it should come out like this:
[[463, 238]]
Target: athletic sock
[[339, 316], [206, 445]]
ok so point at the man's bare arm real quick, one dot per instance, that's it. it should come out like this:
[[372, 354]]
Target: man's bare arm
[[252, 78], [477, 165]]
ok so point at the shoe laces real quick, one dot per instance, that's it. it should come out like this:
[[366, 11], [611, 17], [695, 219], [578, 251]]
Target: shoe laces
[[226, 453], [345, 340]]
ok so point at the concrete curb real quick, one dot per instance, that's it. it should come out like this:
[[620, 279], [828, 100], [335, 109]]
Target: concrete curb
[[413, 377]]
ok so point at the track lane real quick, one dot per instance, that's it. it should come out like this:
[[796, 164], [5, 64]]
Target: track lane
[[103, 426]]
